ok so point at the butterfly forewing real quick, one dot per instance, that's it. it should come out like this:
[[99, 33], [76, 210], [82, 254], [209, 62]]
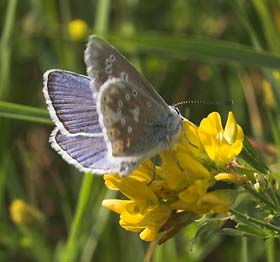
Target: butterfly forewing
[[71, 103], [104, 62]]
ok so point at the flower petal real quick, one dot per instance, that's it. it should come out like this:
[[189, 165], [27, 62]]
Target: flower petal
[[221, 146], [137, 190], [116, 205], [144, 172], [149, 234], [112, 181], [218, 201], [230, 132], [196, 190]]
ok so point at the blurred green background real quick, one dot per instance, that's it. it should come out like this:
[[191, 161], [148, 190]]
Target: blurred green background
[[189, 50]]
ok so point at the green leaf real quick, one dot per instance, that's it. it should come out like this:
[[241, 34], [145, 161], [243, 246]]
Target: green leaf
[[245, 219], [236, 233], [208, 228], [203, 49], [22, 112], [254, 158], [254, 230]]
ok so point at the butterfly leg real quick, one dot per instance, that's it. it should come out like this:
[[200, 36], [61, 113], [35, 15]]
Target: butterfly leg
[[154, 174], [126, 167], [186, 136], [173, 154]]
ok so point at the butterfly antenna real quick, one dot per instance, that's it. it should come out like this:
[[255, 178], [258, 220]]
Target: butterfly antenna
[[206, 102]]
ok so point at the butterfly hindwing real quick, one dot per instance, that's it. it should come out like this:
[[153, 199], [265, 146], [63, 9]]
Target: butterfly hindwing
[[134, 126], [88, 154]]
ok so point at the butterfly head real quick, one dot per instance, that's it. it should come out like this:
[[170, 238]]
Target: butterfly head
[[174, 122]]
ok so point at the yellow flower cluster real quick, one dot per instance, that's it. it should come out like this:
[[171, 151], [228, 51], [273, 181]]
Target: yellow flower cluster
[[25, 215], [77, 30], [182, 181]]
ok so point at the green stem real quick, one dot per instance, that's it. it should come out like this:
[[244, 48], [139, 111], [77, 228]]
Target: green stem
[[244, 250], [72, 249], [101, 219], [256, 221], [270, 250], [5, 47], [273, 195], [102, 16], [261, 198]]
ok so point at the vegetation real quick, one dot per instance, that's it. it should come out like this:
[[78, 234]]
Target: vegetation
[[215, 51]]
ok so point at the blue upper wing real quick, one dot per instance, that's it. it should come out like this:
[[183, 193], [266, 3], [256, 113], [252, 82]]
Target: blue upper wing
[[71, 103]]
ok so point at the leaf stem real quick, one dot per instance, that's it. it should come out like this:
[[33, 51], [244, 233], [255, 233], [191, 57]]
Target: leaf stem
[[244, 250], [261, 198], [256, 221], [5, 47], [72, 249], [270, 250]]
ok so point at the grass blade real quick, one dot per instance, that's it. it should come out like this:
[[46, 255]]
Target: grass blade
[[5, 48], [203, 49], [72, 249], [26, 113]]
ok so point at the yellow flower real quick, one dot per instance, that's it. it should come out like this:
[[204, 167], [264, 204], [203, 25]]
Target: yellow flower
[[143, 212], [181, 182], [268, 95], [177, 179], [190, 142], [237, 179], [152, 219], [25, 215], [218, 201], [220, 145], [276, 75], [116, 205], [189, 198], [77, 30]]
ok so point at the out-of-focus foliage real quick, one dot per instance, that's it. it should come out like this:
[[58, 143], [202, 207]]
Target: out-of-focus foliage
[[189, 50]]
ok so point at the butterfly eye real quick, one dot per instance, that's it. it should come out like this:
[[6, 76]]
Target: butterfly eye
[[177, 110], [134, 92], [149, 104]]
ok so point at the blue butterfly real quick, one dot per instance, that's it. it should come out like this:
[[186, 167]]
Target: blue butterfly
[[110, 121]]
